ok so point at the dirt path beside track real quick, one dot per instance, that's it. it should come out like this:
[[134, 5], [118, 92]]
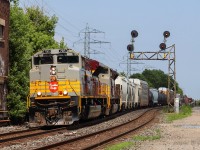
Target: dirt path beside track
[[182, 134]]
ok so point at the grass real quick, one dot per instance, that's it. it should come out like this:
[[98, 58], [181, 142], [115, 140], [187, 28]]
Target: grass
[[120, 146], [126, 145], [185, 111], [149, 138]]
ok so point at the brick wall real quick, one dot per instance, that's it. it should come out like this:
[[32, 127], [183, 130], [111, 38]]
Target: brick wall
[[4, 52]]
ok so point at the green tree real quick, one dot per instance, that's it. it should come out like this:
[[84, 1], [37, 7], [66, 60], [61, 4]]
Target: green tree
[[43, 29], [138, 76], [156, 79], [27, 36], [62, 44], [20, 49]]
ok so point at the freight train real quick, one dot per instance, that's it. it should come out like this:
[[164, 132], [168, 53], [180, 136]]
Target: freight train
[[66, 87]]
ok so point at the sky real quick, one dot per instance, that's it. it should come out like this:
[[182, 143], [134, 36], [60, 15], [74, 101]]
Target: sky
[[115, 19]]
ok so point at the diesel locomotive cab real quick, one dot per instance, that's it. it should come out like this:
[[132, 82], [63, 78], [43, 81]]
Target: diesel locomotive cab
[[66, 87], [54, 87]]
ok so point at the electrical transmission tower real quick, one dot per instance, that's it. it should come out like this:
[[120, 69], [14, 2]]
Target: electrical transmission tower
[[128, 62], [88, 40]]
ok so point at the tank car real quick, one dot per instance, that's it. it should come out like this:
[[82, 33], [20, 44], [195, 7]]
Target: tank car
[[66, 87], [154, 96], [150, 98], [162, 99], [167, 92]]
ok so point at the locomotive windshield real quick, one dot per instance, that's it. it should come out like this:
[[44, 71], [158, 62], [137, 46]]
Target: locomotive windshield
[[67, 59], [48, 59]]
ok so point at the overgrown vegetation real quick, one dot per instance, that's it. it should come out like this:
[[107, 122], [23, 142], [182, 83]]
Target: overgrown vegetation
[[185, 111]]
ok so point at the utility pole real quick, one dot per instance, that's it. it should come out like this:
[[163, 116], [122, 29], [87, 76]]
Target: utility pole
[[88, 40], [128, 62]]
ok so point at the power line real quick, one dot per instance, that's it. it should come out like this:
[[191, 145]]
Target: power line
[[87, 40], [62, 17]]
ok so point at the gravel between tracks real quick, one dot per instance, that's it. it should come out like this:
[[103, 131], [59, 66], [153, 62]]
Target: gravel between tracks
[[70, 134], [182, 134]]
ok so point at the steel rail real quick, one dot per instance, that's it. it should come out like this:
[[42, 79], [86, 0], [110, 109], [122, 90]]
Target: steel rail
[[118, 136], [92, 134], [27, 135]]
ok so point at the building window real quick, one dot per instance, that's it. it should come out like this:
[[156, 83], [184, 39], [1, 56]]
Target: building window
[[1, 32]]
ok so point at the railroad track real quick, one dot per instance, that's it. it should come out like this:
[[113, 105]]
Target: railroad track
[[96, 139], [11, 138]]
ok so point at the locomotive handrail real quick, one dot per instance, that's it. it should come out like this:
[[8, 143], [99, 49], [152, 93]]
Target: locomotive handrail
[[72, 87], [28, 103]]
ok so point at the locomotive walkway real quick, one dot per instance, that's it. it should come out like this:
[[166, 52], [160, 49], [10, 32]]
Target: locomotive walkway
[[182, 134]]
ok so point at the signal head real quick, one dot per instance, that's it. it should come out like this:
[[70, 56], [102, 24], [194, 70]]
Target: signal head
[[134, 33], [130, 47], [162, 46], [166, 34]]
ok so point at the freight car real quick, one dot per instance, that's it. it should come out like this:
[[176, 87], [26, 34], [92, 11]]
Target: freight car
[[66, 87], [143, 92], [159, 97], [154, 96], [133, 92], [167, 92], [126, 90]]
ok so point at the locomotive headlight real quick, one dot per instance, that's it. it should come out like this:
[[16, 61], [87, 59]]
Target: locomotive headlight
[[39, 93], [65, 92], [53, 70]]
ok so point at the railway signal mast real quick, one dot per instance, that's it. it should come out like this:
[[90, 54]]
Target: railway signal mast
[[130, 49], [165, 53]]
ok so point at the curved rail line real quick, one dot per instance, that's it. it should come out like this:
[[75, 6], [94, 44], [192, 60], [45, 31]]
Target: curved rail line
[[71, 143], [37, 131], [16, 132], [18, 135]]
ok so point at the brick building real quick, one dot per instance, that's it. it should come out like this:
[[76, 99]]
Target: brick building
[[4, 55]]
